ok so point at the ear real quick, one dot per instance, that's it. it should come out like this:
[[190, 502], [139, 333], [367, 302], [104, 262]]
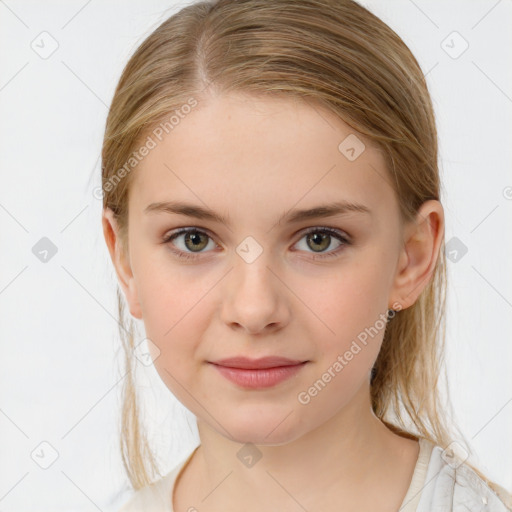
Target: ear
[[419, 253], [121, 261]]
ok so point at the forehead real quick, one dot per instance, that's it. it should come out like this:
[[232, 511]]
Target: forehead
[[245, 154]]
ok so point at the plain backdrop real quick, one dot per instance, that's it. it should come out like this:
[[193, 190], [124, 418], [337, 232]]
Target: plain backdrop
[[60, 373]]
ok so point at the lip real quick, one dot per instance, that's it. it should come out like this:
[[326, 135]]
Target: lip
[[257, 364], [258, 373]]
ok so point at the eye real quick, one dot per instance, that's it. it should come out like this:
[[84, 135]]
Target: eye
[[195, 240], [320, 238]]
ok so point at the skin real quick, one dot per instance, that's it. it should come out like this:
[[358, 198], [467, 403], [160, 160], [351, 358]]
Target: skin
[[253, 159]]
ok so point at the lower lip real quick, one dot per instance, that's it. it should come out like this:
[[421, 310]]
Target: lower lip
[[264, 378]]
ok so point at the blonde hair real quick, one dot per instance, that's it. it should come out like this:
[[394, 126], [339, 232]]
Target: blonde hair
[[331, 53]]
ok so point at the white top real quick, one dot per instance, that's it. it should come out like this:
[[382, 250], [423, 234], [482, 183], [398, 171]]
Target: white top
[[438, 484]]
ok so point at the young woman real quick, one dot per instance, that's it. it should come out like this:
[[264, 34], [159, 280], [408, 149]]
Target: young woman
[[272, 209]]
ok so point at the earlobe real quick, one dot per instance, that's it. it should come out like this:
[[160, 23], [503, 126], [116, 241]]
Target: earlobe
[[120, 261], [420, 252]]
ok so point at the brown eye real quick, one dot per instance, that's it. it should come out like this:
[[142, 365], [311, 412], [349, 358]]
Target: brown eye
[[195, 240], [320, 239], [317, 241]]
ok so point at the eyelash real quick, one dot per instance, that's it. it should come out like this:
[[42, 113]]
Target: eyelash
[[324, 230]]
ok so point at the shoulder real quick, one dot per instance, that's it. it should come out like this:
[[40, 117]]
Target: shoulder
[[452, 485], [156, 497], [151, 498]]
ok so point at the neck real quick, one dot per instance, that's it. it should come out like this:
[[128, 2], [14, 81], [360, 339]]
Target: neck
[[345, 456]]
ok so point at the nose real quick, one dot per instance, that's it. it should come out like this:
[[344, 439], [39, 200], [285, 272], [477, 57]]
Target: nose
[[255, 299]]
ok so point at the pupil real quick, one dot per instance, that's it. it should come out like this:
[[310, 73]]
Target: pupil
[[195, 239], [318, 239]]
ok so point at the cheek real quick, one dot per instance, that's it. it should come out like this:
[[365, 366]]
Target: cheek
[[352, 296], [167, 292], [176, 310], [351, 306], [172, 312]]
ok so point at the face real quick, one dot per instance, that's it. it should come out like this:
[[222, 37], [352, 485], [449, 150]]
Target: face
[[263, 282]]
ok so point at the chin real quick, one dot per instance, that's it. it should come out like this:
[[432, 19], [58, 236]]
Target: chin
[[265, 430]]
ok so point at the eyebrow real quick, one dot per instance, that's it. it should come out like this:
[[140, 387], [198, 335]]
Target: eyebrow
[[293, 216]]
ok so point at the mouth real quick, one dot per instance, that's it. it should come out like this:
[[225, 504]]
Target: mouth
[[258, 373], [262, 363]]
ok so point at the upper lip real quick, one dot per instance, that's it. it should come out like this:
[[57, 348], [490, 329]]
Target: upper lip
[[257, 364]]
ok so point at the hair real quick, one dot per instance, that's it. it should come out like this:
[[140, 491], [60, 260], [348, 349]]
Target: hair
[[329, 53]]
